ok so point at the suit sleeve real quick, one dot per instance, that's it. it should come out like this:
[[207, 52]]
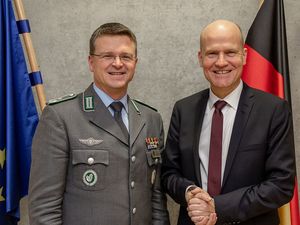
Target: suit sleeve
[[48, 170], [277, 186], [172, 179], [160, 215]]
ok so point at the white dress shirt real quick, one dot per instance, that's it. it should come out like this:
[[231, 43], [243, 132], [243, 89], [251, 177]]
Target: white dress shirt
[[229, 112]]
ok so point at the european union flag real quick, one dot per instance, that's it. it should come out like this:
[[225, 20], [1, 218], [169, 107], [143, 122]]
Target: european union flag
[[18, 118]]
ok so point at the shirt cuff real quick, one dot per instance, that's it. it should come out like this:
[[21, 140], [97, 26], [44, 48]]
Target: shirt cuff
[[190, 188]]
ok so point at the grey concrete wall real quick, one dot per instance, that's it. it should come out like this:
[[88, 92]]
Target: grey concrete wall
[[168, 41]]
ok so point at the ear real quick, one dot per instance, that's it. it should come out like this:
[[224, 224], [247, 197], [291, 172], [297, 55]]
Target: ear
[[200, 58], [245, 56], [91, 63]]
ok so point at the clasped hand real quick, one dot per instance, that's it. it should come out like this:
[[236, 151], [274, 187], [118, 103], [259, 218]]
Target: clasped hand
[[201, 207]]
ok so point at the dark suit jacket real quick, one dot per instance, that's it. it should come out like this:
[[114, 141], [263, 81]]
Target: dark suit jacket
[[260, 166], [125, 191]]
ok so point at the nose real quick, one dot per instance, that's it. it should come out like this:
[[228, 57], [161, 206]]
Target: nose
[[117, 62], [221, 60]]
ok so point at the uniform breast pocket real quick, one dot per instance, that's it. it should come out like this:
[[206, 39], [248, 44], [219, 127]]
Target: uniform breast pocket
[[89, 169], [153, 157]]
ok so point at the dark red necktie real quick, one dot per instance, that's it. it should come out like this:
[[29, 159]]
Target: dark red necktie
[[215, 152]]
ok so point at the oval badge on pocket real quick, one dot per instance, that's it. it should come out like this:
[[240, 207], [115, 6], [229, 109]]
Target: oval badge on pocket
[[90, 177]]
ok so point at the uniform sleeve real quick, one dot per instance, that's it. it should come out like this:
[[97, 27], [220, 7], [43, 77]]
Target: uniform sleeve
[[160, 215], [48, 170]]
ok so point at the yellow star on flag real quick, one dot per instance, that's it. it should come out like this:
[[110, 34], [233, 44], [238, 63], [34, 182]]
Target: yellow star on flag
[[2, 158], [2, 199]]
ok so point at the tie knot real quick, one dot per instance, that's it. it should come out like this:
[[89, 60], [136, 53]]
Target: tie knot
[[116, 106], [220, 104]]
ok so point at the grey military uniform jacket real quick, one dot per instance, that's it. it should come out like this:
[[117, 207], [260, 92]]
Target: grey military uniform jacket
[[84, 171]]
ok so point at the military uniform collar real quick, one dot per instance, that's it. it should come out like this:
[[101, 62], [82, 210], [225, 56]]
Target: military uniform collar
[[107, 100]]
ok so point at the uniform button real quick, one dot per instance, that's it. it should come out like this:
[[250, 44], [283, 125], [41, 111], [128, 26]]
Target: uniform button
[[133, 210], [133, 159], [91, 161], [132, 184]]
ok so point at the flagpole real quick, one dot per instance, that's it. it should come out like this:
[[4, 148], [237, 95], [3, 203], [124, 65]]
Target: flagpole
[[31, 54], [261, 2]]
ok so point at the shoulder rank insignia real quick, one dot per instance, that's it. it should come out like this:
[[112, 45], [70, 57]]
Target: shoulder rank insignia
[[61, 99], [142, 103]]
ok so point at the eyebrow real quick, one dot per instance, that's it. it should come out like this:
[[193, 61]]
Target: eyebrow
[[112, 53]]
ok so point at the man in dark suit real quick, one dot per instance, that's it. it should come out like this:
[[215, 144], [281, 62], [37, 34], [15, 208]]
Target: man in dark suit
[[96, 156], [229, 156]]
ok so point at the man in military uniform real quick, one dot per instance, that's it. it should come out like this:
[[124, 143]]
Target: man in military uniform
[[96, 156]]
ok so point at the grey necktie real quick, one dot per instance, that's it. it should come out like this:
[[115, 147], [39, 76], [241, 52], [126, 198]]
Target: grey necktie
[[117, 107]]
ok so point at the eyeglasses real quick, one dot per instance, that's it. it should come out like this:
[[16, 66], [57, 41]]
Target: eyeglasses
[[110, 58], [214, 56]]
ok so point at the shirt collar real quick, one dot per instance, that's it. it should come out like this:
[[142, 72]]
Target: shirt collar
[[232, 99], [107, 100]]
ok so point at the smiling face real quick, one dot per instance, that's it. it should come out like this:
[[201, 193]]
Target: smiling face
[[222, 56], [113, 76]]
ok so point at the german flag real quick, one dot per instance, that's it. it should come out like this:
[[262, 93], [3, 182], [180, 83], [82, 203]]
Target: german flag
[[267, 69]]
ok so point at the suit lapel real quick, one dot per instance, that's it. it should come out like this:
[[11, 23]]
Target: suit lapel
[[136, 122], [241, 118], [100, 116], [199, 115]]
